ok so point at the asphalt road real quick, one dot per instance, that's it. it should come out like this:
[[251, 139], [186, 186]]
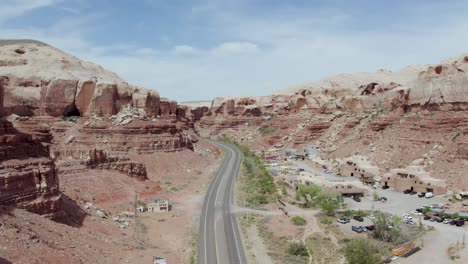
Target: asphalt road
[[219, 239]]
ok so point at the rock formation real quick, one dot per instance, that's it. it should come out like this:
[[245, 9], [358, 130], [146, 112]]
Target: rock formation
[[27, 174], [72, 116], [393, 117]]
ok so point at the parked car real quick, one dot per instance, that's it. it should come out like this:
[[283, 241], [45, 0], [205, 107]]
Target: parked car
[[357, 229], [409, 222], [413, 193], [364, 229], [407, 217], [385, 187], [429, 195], [370, 227], [421, 195], [416, 213], [426, 217], [406, 191], [328, 171], [418, 210], [446, 221], [371, 216], [358, 218], [383, 199], [453, 222], [343, 220], [440, 220], [357, 199], [460, 223]]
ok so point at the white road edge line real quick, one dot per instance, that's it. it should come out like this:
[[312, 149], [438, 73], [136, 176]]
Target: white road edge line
[[206, 216], [233, 219]]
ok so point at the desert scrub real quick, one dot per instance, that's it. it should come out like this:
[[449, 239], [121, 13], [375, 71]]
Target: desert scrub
[[265, 130], [255, 180], [322, 249], [297, 249], [299, 221]]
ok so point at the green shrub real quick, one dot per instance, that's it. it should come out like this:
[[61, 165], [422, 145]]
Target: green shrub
[[297, 249], [299, 221], [361, 251], [329, 202], [265, 130]]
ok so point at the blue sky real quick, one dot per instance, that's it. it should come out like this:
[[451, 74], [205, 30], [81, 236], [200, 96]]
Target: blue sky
[[195, 50]]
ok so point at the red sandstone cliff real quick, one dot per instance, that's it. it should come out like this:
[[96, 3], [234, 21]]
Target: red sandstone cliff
[[70, 116], [394, 118]]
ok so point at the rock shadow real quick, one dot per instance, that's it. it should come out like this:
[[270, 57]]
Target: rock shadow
[[4, 261], [71, 214]]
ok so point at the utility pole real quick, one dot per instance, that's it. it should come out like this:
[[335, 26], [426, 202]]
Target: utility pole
[[135, 212]]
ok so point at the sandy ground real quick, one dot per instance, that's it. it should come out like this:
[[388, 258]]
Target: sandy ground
[[184, 178]]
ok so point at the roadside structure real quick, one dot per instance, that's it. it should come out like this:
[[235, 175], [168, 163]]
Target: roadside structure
[[413, 178], [358, 167], [159, 205], [345, 187], [302, 154]]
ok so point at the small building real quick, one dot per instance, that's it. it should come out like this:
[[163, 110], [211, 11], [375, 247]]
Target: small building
[[290, 153], [345, 187], [358, 167], [312, 151], [413, 178], [159, 205], [302, 154], [140, 208], [159, 260]]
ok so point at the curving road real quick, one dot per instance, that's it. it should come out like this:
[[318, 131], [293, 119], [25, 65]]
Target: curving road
[[219, 238]]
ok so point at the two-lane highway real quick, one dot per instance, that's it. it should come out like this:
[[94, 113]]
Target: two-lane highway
[[219, 238]]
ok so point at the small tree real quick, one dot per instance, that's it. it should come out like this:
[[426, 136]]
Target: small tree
[[375, 195], [420, 225], [386, 227], [307, 192], [425, 210], [361, 251], [329, 202]]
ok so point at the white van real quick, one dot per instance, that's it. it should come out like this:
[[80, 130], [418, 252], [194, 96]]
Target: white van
[[429, 195]]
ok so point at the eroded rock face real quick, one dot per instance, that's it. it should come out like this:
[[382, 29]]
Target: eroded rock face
[[72, 116], [27, 174], [67, 86], [442, 84]]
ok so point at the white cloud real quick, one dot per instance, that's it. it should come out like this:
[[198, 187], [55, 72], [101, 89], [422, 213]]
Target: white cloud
[[252, 55], [236, 48], [184, 49], [15, 8], [147, 52]]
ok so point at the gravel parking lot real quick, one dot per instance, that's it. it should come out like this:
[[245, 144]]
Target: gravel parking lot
[[435, 243]]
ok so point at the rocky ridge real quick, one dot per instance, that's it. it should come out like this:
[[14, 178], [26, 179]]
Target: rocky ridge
[[392, 117]]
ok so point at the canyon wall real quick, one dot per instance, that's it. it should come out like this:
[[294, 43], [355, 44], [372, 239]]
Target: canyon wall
[[418, 114], [62, 116], [27, 173]]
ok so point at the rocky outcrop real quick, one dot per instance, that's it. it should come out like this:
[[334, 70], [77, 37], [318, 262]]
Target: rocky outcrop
[[67, 86], [27, 174], [72, 116], [442, 84]]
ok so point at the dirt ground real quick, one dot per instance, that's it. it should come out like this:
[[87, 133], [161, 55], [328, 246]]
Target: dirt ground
[[89, 237], [184, 177]]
